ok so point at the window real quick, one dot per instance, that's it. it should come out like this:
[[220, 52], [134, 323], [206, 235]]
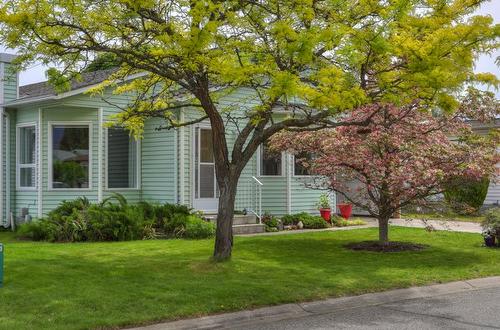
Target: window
[[122, 159], [26, 156], [70, 152], [301, 164], [270, 162]]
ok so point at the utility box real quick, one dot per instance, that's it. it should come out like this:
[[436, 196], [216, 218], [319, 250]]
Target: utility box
[[1, 265]]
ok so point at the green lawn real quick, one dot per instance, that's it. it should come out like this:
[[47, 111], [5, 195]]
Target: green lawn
[[90, 285], [444, 217]]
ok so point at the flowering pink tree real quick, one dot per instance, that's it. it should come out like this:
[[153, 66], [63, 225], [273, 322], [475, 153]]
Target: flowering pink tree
[[403, 156]]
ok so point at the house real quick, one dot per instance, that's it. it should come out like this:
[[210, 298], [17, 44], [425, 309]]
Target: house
[[493, 196], [57, 147]]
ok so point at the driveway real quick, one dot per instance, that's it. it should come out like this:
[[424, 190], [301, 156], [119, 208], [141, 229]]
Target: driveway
[[472, 304]]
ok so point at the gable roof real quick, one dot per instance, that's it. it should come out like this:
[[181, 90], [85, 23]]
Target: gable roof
[[41, 89]]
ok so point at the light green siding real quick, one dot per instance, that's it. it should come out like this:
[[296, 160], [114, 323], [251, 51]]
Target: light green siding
[[9, 83], [158, 163]]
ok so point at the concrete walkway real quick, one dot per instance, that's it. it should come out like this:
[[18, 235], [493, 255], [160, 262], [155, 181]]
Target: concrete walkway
[[458, 226], [471, 304]]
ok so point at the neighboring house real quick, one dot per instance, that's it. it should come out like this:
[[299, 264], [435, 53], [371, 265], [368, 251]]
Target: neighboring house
[[493, 197], [56, 147]]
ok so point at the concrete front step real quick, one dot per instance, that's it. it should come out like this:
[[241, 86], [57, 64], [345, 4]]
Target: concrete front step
[[243, 224], [249, 229]]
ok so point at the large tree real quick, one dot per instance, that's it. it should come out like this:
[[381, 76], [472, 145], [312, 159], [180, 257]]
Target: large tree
[[314, 59], [404, 156]]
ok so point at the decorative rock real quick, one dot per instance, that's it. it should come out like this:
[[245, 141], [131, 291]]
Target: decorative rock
[[300, 225]]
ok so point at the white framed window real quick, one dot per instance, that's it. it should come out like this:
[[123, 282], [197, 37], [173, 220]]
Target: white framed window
[[70, 155], [122, 159], [26, 159], [269, 163], [299, 167]]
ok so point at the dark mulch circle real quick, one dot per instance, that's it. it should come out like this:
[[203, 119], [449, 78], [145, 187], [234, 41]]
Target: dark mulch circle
[[376, 246]]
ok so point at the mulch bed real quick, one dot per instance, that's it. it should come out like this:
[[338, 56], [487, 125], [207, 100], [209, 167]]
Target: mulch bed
[[376, 246]]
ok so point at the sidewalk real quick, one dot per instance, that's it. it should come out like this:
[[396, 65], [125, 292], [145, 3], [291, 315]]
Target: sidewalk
[[458, 226], [283, 313]]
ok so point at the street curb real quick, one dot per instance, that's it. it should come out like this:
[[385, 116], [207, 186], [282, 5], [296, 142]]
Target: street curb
[[290, 311]]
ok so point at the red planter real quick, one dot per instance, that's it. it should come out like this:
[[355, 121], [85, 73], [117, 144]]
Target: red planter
[[326, 214], [345, 210]]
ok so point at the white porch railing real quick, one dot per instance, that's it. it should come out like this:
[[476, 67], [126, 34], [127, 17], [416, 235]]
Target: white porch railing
[[253, 200]]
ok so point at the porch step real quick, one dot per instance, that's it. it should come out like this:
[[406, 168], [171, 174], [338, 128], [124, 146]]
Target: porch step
[[249, 229], [243, 224]]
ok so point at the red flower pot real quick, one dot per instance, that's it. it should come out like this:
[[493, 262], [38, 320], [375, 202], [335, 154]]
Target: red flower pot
[[345, 210], [326, 214]]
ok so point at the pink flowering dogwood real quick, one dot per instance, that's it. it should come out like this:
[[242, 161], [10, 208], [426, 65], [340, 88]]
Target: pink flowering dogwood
[[403, 156]]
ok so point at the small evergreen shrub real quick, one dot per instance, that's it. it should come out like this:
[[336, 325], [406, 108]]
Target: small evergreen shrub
[[465, 196]]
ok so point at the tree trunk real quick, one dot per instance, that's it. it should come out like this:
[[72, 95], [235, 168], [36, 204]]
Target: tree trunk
[[383, 230], [224, 232]]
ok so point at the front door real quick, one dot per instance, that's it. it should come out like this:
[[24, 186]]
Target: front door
[[205, 186]]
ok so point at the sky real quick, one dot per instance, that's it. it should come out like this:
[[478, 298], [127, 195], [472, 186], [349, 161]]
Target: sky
[[485, 63]]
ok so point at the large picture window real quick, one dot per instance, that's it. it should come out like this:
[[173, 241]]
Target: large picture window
[[270, 162], [26, 157], [70, 152], [122, 159]]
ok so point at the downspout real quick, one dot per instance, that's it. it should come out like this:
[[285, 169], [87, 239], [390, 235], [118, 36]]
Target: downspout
[[2, 156], [99, 156], [7, 166], [181, 159], [288, 160], [40, 168]]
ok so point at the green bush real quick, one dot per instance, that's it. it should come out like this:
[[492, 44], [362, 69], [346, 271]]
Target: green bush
[[115, 220], [197, 228], [466, 196], [309, 221], [271, 222], [289, 219], [314, 222]]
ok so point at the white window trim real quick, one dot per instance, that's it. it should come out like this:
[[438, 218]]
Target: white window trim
[[202, 125], [18, 165], [51, 124], [259, 173], [138, 166]]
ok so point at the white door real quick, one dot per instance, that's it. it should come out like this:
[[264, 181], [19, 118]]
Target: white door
[[206, 194]]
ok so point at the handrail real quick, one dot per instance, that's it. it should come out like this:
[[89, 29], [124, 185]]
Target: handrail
[[257, 180]]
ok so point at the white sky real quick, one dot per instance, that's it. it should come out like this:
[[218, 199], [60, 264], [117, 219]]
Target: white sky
[[486, 63]]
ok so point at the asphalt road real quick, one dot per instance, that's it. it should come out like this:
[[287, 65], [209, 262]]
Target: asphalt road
[[478, 309]]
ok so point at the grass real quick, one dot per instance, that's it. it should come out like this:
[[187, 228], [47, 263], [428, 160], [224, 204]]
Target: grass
[[444, 217], [99, 285]]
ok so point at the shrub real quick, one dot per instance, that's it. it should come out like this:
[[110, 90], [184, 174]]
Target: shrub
[[465, 196], [271, 222], [313, 222], [115, 220], [309, 221], [289, 219], [197, 228]]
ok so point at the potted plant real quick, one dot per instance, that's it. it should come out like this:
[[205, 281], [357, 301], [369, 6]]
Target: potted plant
[[491, 226], [345, 210], [324, 207], [489, 238]]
